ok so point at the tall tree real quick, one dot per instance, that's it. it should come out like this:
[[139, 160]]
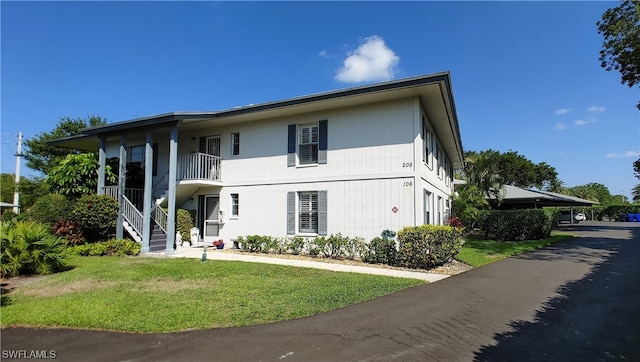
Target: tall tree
[[620, 27], [489, 168], [43, 157]]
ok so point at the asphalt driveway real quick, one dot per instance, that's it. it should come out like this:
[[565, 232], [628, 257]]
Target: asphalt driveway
[[578, 300]]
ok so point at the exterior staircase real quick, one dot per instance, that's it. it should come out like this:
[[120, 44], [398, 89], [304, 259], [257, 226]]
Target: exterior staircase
[[158, 240], [133, 224]]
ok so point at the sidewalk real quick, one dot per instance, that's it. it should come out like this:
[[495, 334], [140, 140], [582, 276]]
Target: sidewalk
[[214, 254]]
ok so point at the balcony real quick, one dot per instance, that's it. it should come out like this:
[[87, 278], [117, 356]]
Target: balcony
[[199, 168]]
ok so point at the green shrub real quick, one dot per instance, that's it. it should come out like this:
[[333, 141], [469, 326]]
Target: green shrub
[[295, 245], [49, 209], [97, 216], [428, 246], [30, 248], [380, 251], [184, 223], [257, 243], [112, 247], [517, 225], [354, 248]]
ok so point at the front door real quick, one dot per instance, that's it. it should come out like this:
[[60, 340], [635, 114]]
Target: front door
[[213, 146], [211, 224]]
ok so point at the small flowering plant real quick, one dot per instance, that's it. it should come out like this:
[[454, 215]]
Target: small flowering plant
[[219, 244], [455, 222]]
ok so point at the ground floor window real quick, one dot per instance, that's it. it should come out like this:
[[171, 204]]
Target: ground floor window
[[235, 205], [427, 207], [307, 212]]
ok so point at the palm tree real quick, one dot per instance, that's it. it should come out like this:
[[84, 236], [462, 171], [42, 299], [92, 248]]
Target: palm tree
[[556, 185], [483, 173]]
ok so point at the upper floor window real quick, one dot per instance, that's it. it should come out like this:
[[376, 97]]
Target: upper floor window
[[426, 139], [235, 143], [307, 144], [136, 154]]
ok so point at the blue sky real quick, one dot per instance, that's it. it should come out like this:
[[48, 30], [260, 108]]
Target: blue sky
[[526, 75]]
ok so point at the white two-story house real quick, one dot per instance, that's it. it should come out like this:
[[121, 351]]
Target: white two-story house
[[355, 161]]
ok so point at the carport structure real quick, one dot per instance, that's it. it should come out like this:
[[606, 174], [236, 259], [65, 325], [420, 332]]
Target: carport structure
[[518, 198]]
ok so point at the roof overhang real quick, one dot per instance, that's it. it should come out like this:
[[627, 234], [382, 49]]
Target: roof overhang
[[512, 195], [434, 91]]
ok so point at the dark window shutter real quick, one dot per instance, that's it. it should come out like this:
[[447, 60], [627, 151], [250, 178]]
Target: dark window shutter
[[322, 212], [291, 146], [203, 145], [291, 213], [322, 141]]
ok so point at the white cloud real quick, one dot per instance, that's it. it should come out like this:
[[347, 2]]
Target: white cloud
[[323, 54], [561, 111], [582, 122], [560, 126], [596, 109], [372, 61], [623, 154]]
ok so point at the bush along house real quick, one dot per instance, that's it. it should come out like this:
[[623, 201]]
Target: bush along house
[[355, 161]]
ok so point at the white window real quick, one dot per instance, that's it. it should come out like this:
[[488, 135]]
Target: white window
[[427, 207], [426, 140], [308, 212], [235, 143], [440, 207], [308, 144], [235, 205]]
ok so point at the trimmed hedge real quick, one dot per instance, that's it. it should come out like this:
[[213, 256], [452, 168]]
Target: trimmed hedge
[[517, 225], [428, 246], [112, 247]]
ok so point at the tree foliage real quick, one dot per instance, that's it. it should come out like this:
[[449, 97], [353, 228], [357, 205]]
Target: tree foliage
[[42, 156], [592, 191], [492, 169], [30, 189], [77, 175], [620, 27]]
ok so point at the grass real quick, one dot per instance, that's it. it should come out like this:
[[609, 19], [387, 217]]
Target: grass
[[477, 253], [163, 295]]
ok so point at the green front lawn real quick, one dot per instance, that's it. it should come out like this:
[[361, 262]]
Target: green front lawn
[[477, 253], [162, 295]]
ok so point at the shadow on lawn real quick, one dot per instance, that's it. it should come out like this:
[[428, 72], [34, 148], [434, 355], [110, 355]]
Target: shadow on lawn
[[592, 319]]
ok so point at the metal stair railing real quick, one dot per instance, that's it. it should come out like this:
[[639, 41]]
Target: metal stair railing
[[131, 215], [161, 217]]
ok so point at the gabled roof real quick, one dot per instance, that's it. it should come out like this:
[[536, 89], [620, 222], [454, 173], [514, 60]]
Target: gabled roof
[[434, 91]]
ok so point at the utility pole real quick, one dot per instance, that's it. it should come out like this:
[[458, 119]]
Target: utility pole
[[16, 194]]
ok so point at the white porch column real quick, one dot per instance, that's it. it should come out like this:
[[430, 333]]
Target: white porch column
[[121, 183], [148, 193], [173, 180], [102, 161]]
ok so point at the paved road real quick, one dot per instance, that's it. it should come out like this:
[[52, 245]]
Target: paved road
[[579, 301]]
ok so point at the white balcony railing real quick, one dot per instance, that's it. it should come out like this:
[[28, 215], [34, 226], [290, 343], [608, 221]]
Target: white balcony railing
[[199, 166]]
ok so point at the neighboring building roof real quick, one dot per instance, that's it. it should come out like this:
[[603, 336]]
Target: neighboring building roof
[[516, 196], [434, 91]]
